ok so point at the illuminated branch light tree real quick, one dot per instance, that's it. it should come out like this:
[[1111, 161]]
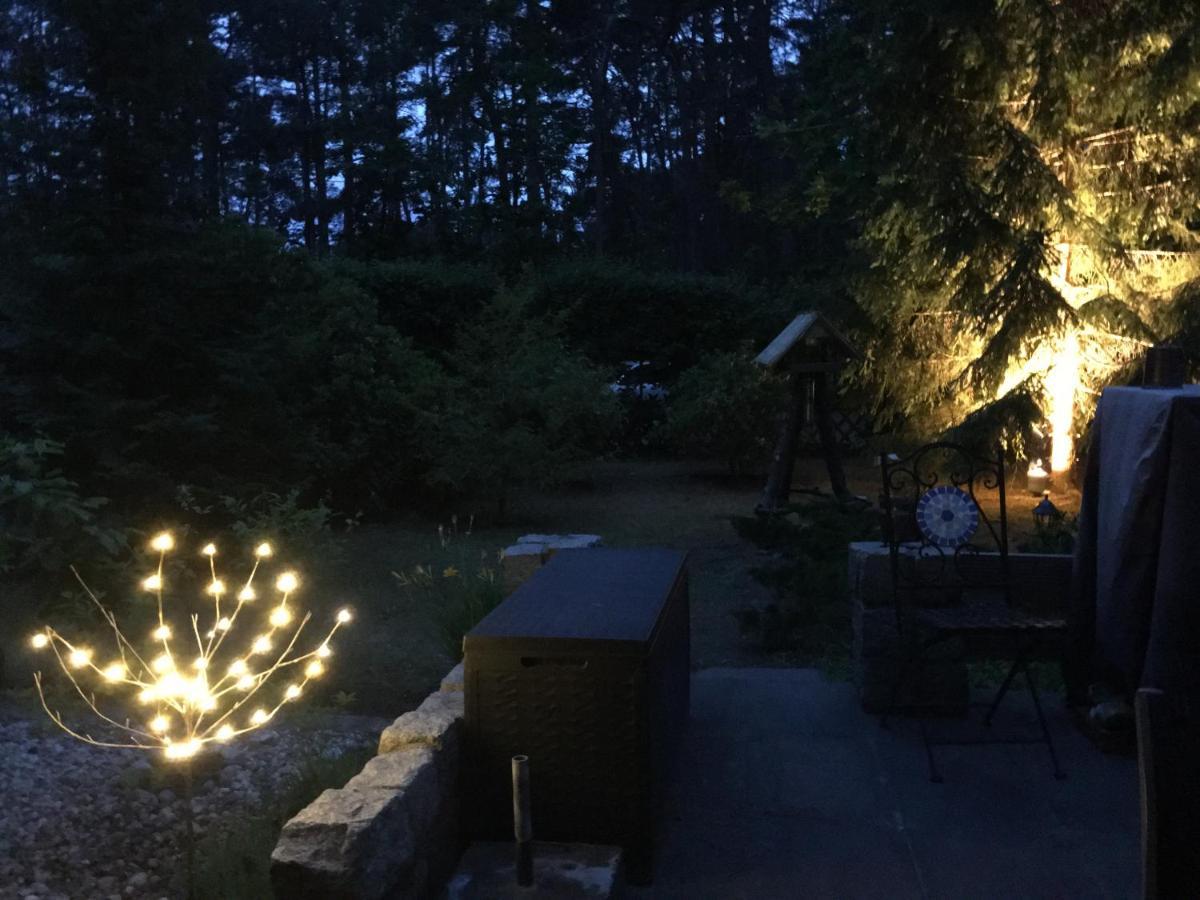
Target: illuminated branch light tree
[[194, 688]]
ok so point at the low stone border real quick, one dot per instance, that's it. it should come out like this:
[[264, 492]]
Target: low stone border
[[1040, 582], [532, 551], [393, 830]]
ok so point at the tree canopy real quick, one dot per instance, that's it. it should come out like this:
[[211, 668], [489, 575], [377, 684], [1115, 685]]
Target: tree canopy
[[224, 221]]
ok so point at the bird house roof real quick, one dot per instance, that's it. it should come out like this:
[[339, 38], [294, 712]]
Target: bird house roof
[[807, 338]]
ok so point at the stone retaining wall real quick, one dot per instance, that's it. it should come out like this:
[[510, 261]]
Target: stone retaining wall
[[1040, 582], [393, 830], [532, 551]]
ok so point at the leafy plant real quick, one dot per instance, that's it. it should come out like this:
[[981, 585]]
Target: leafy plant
[[460, 600], [524, 407], [46, 520], [728, 407], [305, 530], [1055, 536], [810, 613], [233, 862]]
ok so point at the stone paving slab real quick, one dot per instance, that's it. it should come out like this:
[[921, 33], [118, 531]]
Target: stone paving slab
[[787, 790], [487, 871]]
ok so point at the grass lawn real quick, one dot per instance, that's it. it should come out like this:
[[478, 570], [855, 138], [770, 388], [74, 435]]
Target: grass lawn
[[399, 653], [396, 652]]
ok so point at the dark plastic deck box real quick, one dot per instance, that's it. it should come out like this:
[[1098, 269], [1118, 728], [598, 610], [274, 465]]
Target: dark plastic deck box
[[584, 669]]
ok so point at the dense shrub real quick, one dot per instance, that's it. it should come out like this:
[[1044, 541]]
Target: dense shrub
[[358, 396], [44, 520], [810, 614], [424, 300], [617, 312], [726, 407], [521, 407], [210, 357]]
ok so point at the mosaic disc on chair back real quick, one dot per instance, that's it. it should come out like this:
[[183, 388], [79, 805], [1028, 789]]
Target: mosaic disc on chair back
[[947, 516]]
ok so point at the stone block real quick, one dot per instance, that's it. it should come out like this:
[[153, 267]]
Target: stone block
[[532, 551], [573, 542], [345, 844], [519, 562], [870, 573], [536, 538], [413, 772], [940, 687], [436, 723], [487, 871], [393, 830], [454, 679]]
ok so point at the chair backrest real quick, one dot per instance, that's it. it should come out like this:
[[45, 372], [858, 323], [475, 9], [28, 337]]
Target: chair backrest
[[1169, 780], [939, 485]]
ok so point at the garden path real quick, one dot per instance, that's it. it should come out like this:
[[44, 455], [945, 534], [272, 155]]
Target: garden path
[[786, 790]]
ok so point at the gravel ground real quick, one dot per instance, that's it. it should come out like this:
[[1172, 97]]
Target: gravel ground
[[83, 822]]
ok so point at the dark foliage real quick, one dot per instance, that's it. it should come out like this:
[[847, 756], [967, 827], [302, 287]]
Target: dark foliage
[[810, 613], [270, 249]]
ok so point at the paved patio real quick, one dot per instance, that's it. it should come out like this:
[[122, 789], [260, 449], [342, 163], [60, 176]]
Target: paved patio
[[787, 790]]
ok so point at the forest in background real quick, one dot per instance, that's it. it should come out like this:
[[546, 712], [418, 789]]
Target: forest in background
[[261, 258]]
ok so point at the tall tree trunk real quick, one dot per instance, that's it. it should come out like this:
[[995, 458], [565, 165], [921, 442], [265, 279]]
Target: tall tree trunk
[[306, 190], [601, 130], [319, 167], [346, 117]]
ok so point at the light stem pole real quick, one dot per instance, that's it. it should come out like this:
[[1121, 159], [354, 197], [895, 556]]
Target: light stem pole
[[189, 838], [522, 820]]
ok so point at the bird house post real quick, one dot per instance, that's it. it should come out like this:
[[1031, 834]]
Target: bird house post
[[812, 352]]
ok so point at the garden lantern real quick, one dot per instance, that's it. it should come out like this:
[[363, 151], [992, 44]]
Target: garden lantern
[[1046, 512]]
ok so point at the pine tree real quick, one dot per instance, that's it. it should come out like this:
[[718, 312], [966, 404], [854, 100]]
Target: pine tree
[[1018, 177]]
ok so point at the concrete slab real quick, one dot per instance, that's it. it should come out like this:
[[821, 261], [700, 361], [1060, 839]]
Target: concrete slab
[[787, 790], [487, 871]]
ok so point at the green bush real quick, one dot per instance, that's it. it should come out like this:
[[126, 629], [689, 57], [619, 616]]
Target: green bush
[[521, 407], [616, 312], [46, 522], [305, 531], [356, 396], [726, 407], [811, 612], [460, 599], [424, 300]]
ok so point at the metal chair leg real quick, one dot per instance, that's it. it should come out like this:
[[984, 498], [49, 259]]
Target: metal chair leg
[[1037, 705], [915, 660]]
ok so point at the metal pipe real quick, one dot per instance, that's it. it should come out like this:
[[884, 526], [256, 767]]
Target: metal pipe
[[522, 820]]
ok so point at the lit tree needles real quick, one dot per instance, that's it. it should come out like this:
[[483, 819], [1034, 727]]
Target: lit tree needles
[[195, 689]]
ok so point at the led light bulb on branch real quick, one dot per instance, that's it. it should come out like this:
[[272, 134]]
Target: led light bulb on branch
[[194, 681]]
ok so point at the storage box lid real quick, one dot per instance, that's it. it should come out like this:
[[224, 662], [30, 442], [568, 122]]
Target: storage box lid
[[600, 594]]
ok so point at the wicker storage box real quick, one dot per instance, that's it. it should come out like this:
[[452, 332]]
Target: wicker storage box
[[584, 669]]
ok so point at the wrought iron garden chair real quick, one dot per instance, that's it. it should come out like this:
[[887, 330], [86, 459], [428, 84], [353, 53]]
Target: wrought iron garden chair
[[951, 577]]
